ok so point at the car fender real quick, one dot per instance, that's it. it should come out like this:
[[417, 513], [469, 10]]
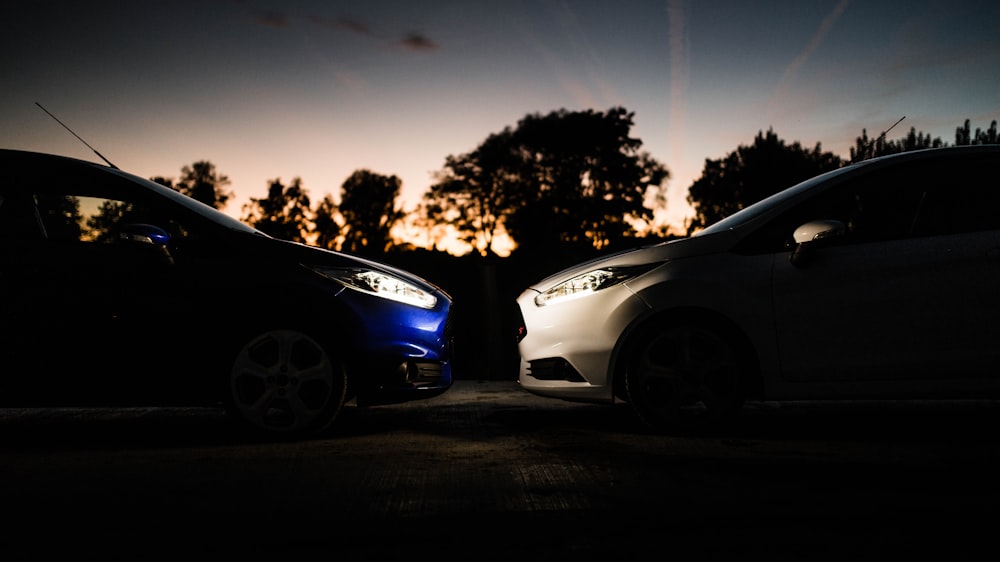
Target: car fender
[[681, 289]]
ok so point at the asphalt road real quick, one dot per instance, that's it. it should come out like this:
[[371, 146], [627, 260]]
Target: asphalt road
[[489, 472]]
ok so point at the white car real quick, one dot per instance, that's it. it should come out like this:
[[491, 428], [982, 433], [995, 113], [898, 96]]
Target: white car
[[880, 279]]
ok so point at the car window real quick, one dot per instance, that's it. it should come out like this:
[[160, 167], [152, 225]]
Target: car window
[[69, 218], [961, 198], [920, 198], [89, 211], [873, 206], [59, 216]]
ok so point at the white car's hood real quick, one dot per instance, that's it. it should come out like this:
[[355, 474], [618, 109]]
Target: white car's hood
[[658, 253]]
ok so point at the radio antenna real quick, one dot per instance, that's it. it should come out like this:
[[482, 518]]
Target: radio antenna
[[890, 128], [77, 136], [863, 154]]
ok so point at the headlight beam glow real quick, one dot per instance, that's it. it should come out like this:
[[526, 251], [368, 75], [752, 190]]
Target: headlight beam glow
[[588, 283], [379, 284]]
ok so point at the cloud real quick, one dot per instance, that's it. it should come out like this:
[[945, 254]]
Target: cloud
[[418, 42], [344, 24], [272, 19], [414, 41]]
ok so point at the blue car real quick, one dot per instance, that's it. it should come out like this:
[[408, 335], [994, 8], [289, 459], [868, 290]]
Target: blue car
[[119, 291]]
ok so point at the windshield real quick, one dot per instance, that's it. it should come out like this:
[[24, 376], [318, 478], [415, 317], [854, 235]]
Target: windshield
[[767, 204], [207, 211]]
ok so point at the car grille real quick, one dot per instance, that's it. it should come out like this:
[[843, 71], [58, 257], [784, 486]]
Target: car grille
[[423, 373], [555, 369]]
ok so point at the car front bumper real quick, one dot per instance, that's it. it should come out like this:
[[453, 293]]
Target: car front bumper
[[568, 348]]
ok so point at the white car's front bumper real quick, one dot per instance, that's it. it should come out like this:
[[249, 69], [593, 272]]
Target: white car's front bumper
[[568, 347]]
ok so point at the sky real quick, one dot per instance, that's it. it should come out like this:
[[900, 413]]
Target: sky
[[315, 90]]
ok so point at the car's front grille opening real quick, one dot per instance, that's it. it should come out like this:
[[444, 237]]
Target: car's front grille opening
[[555, 369], [421, 373]]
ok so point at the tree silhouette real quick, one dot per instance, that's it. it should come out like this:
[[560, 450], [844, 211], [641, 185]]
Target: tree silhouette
[[326, 230], [751, 173], [164, 181], [590, 174], [964, 136], [424, 222], [865, 148], [476, 191], [284, 213], [570, 178], [368, 207], [202, 182], [102, 226], [61, 216]]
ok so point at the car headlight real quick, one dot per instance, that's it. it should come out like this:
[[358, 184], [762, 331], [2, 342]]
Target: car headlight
[[379, 284], [589, 283]]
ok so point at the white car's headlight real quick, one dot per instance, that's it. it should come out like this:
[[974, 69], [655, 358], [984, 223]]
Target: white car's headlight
[[589, 283], [379, 284]]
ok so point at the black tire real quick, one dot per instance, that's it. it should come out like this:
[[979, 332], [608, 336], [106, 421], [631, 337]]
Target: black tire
[[284, 383], [689, 375]]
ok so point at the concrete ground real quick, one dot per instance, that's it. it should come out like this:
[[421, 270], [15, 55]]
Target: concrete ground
[[489, 472]]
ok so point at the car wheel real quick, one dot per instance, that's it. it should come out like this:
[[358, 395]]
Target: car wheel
[[685, 376], [285, 383]]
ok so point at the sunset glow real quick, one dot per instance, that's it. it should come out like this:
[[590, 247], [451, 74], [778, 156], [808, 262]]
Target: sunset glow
[[316, 90]]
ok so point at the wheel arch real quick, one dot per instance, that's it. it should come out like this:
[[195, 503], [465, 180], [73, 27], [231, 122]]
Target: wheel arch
[[269, 308], [650, 324]]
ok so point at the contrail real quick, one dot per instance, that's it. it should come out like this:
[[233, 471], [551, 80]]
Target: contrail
[[817, 39], [679, 66]]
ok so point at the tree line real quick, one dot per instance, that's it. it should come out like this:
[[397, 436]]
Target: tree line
[[573, 182]]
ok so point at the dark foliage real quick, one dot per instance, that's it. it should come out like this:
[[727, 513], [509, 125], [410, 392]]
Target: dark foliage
[[751, 173], [573, 178]]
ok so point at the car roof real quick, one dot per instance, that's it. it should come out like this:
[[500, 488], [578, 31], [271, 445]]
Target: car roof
[[31, 157], [32, 167]]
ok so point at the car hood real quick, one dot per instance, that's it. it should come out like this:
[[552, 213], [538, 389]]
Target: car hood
[[658, 253], [314, 255]]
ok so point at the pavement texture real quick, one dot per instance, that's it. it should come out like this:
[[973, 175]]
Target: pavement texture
[[489, 472]]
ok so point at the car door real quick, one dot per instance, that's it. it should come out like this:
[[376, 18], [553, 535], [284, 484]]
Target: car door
[[83, 306], [909, 293]]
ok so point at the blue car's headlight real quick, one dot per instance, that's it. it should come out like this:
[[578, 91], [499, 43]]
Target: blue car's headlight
[[379, 284], [589, 283]]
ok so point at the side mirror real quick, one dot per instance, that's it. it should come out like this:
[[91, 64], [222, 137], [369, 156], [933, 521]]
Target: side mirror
[[812, 233], [143, 234]]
